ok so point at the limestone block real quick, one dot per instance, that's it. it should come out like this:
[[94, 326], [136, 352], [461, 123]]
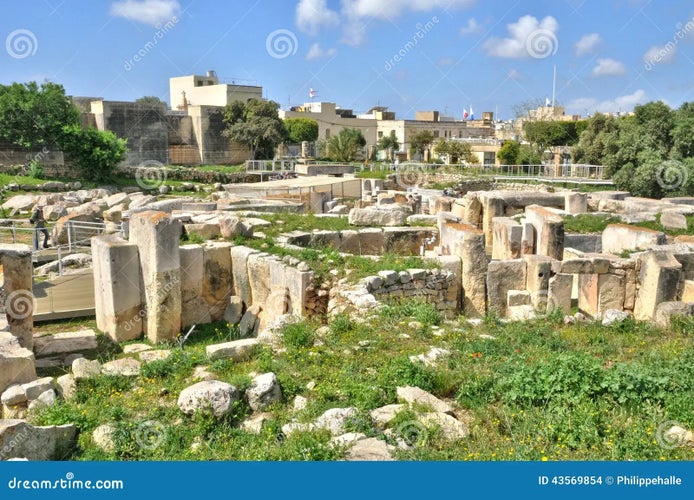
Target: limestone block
[[502, 276], [234, 310], [527, 238], [474, 274], [507, 238], [673, 219], [617, 238], [549, 230], [205, 231], [157, 236], [19, 439], [518, 298], [491, 207], [194, 309], [19, 300], [237, 350], [393, 215], [16, 362], [241, 280], [217, 278], [688, 291], [118, 297], [659, 276], [666, 311], [259, 276], [576, 203], [559, 293]]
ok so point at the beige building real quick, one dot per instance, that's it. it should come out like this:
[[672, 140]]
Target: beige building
[[331, 119], [207, 91]]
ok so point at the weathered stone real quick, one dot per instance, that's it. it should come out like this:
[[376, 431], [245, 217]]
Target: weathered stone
[[386, 414], [232, 226], [217, 278], [83, 368], [62, 344], [518, 298], [600, 292], [659, 276], [19, 203], [507, 238], [125, 367], [612, 316], [549, 230], [194, 309], [673, 219], [205, 231], [369, 449], [241, 281], [19, 302], [616, 238], [688, 291], [154, 355], [264, 391], [237, 350], [254, 424], [19, 439], [16, 362], [157, 235], [576, 203], [104, 437], [250, 322], [335, 419], [45, 399], [118, 297], [36, 387], [379, 216], [474, 274], [234, 309], [666, 311], [502, 276], [212, 395], [135, 348], [450, 428], [415, 395], [559, 293], [66, 386], [14, 395], [259, 277]]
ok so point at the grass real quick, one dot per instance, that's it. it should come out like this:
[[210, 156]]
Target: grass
[[588, 223], [533, 391]]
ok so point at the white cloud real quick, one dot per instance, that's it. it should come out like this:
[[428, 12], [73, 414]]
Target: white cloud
[[660, 54], [153, 12], [311, 15], [528, 37], [514, 74], [471, 28], [389, 9], [609, 67], [587, 44], [317, 52], [623, 103]]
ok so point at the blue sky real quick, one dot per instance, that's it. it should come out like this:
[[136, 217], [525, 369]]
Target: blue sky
[[408, 55]]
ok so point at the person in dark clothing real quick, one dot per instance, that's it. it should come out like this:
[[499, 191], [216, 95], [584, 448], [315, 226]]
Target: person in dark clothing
[[39, 222]]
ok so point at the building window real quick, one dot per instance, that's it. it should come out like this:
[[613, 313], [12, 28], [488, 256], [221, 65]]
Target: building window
[[460, 134], [436, 134], [380, 134], [489, 159], [198, 83]]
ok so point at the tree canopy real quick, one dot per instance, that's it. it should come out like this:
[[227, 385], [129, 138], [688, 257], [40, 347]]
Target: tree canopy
[[650, 153], [33, 116], [389, 143], [301, 129], [344, 146], [456, 151], [256, 125], [95, 153], [421, 141]]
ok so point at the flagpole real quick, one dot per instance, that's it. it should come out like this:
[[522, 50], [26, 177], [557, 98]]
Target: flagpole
[[554, 84]]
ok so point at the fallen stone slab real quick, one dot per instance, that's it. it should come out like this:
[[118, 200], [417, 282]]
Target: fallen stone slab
[[371, 450], [211, 395], [415, 395], [18, 439], [237, 350], [125, 367]]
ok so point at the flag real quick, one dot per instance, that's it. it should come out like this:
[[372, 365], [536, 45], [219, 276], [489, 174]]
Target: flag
[[312, 93], [465, 114], [547, 101], [472, 114]]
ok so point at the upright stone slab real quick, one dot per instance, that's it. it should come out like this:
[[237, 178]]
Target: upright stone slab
[[287, 290], [507, 238], [117, 291], [157, 235], [659, 277], [16, 362], [259, 276], [474, 273], [491, 207], [19, 300], [576, 203], [617, 238], [549, 230], [239, 268], [527, 238], [217, 278], [194, 309], [539, 271], [559, 293], [502, 276]]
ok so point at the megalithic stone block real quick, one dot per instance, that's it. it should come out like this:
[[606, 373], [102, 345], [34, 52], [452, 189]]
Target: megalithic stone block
[[502, 276], [194, 309], [157, 236], [117, 287], [659, 277], [549, 230], [217, 278], [19, 300]]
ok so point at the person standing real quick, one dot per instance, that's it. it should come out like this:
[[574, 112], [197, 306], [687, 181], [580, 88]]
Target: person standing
[[39, 222]]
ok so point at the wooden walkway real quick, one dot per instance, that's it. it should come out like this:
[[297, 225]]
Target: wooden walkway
[[68, 296]]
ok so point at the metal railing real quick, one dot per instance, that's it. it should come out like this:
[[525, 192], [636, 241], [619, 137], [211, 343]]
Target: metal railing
[[269, 165]]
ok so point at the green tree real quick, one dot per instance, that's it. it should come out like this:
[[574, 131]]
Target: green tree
[[301, 129], [421, 141], [455, 151], [33, 116], [508, 152], [389, 144], [597, 141], [95, 153], [345, 146], [150, 100], [683, 132], [528, 156], [256, 125]]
